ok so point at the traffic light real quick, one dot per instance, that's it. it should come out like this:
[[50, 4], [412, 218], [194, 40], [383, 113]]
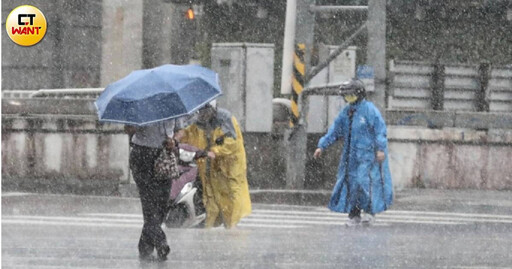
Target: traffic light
[[189, 14]]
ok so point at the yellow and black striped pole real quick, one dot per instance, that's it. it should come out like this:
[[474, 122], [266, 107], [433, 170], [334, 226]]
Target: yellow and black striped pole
[[298, 80]]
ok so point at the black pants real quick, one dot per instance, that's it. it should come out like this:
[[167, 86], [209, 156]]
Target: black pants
[[355, 212], [154, 195]]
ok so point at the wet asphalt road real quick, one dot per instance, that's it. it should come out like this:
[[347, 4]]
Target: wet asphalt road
[[61, 231]]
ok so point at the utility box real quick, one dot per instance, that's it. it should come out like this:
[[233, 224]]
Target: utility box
[[323, 109], [246, 72]]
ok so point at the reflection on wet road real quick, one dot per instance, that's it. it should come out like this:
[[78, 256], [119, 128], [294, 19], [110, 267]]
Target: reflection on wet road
[[84, 232]]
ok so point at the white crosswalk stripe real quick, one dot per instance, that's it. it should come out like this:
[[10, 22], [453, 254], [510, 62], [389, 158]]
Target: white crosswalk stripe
[[272, 218], [331, 218]]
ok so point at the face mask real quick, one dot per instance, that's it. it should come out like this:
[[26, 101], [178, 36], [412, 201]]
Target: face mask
[[350, 98]]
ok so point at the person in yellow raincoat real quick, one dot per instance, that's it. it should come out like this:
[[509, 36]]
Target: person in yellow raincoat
[[224, 172]]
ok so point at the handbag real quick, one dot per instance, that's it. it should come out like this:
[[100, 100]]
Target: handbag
[[166, 165]]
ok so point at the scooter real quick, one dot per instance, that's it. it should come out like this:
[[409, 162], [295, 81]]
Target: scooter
[[185, 207]]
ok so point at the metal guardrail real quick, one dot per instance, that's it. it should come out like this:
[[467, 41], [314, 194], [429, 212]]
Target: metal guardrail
[[17, 93], [51, 102], [68, 93], [431, 118], [328, 89], [82, 106], [450, 87], [33, 106], [457, 119]]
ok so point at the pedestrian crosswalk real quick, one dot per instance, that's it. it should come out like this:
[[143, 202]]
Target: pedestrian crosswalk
[[305, 218], [272, 217]]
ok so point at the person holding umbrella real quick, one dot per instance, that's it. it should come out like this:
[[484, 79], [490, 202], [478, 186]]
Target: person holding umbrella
[[151, 104], [363, 180], [224, 172], [147, 142]]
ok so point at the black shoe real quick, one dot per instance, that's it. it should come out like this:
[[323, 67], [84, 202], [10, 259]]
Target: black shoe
[[163, 252], [146, 257]]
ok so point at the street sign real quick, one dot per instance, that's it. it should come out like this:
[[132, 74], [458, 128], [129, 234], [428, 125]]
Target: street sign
[[367, 75]]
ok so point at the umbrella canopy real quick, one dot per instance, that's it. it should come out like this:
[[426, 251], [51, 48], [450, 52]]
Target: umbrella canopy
[[152, 95]]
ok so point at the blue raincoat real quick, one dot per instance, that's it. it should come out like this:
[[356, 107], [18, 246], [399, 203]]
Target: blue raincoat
[[361, 180]]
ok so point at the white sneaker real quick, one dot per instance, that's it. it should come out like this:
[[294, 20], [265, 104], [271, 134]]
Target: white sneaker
[[368, 219], [355, 221]]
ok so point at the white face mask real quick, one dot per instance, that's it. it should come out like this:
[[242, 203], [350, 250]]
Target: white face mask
[[350, 98]]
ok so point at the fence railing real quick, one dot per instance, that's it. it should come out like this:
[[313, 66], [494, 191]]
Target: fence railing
[[63, 102], [450, 87], [420, 94]]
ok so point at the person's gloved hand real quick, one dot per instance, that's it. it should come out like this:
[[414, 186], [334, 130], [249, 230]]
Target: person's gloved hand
[[380, 156]]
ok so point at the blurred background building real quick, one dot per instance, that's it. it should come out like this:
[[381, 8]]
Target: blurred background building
[[94, 42], [448, 87]]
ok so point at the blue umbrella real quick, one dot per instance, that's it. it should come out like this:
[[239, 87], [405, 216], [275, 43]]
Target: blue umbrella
[[152, 95]]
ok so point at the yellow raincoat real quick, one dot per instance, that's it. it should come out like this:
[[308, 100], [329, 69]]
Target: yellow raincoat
[[225, 189]]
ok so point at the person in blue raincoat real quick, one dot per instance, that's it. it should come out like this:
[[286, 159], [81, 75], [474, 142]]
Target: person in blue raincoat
[[363, 180]]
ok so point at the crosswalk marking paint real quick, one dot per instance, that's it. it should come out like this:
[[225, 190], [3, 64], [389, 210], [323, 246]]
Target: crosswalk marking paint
[[243, 224], [448, 214], [427, 216], [288, 221], [342, 222], [389, 212], [386, 218], [61, 223], [113, 215], [55, 218], [271, 218], [121, 225]]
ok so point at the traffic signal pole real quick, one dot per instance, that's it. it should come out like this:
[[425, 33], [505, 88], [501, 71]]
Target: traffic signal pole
[[295, 139], [288, 46]]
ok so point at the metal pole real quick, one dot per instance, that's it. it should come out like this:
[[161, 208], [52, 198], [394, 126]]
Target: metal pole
[[288, 46], [295, 140], [328, 89], [335, 53], [482, 101], [67, 92], [376, 53]]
